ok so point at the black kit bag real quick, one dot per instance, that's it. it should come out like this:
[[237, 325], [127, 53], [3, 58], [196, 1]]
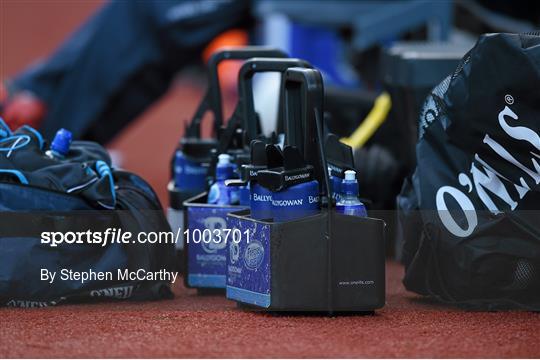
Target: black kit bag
[[78, 193], [470, 214]]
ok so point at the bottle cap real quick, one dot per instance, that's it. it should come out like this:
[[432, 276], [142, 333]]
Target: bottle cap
[[224, 168], [350, 175], [224, 159], [62, 141]]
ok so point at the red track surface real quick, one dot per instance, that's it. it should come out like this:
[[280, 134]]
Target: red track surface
[[211, 326]]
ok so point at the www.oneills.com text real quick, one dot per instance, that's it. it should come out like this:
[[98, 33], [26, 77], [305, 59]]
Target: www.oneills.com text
[[119, 236]]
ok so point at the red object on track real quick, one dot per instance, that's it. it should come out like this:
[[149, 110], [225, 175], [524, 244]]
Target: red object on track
[[23, 109]]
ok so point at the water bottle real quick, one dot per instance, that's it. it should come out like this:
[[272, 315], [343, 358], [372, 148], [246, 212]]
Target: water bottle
[[219, 193], [294, 190], [60, 145], [296, 201], [244, 194], [189, 175], [348, 203], [262, 157], [239, 194], [239, 191], [260, 202]]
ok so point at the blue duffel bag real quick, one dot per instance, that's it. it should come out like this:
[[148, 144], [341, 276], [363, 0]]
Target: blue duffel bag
[[42, 193]]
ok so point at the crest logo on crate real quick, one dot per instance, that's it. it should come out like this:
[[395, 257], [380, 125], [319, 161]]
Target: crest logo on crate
[[254, 255], [213, 240]]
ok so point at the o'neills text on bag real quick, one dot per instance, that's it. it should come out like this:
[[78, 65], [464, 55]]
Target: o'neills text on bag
[[487, 179]]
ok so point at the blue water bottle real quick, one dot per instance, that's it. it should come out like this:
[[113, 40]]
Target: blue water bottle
[[262, 157], [294, 190], [260, 202], [239, 190], [295, 186], [219, 193], [60, 145], [189, 175], [296, 202], [239, 194], [339, 158], [190, 166], [244, 195], [348, 203]]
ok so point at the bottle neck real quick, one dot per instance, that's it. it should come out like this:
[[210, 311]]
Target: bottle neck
[[224, 172], [349, 188]]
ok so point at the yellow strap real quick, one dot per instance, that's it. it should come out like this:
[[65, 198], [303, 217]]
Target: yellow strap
[[372, 122]]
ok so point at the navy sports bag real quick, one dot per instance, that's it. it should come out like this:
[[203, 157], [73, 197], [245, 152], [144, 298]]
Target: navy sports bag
[[470, 213], [77, 194]]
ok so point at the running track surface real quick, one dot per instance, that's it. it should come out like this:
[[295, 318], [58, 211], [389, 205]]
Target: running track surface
[[211, 326]]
